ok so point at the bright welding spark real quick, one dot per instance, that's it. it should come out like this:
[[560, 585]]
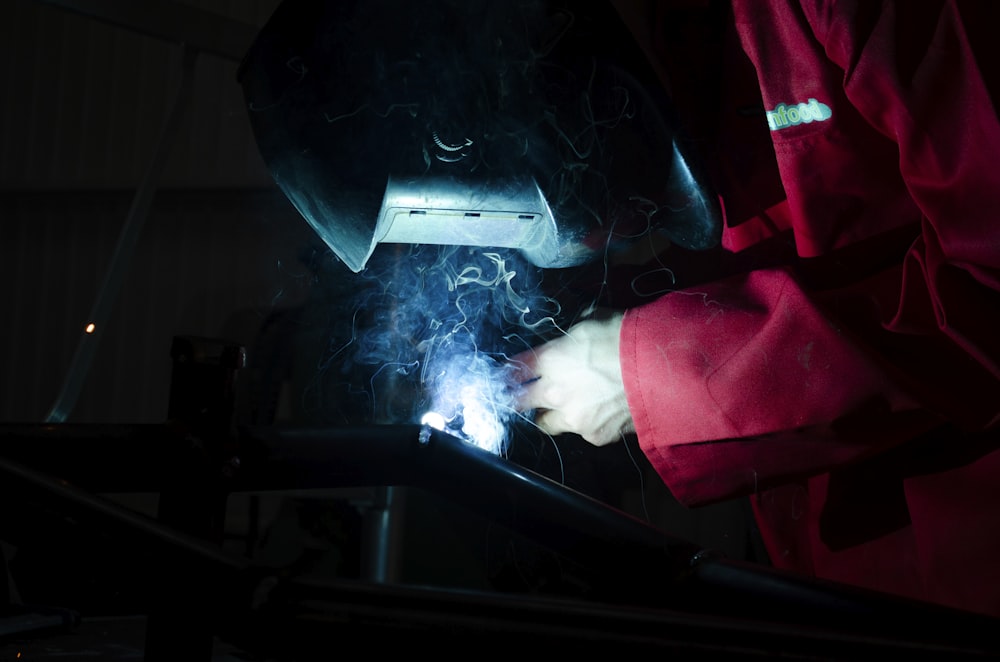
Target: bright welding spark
[[434, 419], [475, 425], [471, 401], [89, 328]]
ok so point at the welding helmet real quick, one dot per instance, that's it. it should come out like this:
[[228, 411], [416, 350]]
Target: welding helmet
[[528, 124]]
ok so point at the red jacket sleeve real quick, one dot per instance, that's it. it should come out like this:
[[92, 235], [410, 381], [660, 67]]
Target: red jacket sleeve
[[751, 381]]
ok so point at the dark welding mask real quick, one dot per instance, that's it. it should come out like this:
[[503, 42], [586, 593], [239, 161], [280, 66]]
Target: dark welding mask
[[527, 124]]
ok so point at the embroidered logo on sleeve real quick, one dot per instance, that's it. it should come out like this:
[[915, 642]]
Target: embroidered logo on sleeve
[[784, 115]]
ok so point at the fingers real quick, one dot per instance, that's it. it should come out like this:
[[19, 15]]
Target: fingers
[[541, 384], [531, 395], [524, 367], [552, 422], [529, 385]]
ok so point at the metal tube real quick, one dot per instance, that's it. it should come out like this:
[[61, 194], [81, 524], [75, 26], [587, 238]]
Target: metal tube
[[380, 540], [144, 535], [100, 313], [301, 619], [635, 561], [635, 564], [94, 456]]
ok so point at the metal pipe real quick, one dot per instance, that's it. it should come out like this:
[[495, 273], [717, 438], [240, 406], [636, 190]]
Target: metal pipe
[[96, 457], [523, 501], [634, 563], [100, 313], [301, 618], [144, 535], [380, 538]]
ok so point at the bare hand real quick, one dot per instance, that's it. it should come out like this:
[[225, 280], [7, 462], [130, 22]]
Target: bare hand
[[575, 383]]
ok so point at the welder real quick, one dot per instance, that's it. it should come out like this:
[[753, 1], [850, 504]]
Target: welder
[[839, 363], [846, 374]]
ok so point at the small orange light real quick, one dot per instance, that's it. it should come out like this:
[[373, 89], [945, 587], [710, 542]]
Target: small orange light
[[90, 328]]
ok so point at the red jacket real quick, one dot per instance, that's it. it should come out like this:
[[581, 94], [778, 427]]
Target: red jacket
[[853, 390]]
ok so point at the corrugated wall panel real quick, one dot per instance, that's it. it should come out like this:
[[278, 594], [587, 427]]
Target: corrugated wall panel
[[84, 102], [206, 264], [254, 12]]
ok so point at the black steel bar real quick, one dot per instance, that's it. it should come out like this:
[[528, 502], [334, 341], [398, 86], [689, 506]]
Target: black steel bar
[[293, 620], [637, 564], [99, 458], [636, 560], [299, 620], [161, 545], [201, 407], [38, 509]]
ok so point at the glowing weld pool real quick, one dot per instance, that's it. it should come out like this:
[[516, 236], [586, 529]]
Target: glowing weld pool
[[471, 403]]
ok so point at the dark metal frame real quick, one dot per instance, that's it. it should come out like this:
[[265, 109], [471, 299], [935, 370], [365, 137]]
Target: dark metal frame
[[651, 591]]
